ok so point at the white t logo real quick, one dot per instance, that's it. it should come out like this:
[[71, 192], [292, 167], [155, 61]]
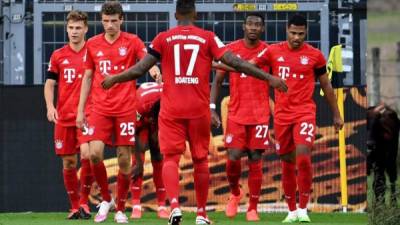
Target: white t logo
[[284, 72], [105, 65], [69, 75]]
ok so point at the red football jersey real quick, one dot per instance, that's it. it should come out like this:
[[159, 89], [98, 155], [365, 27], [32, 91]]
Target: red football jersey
[[110, 59], [146, 96], [297, 68], [186, 54], [69, 66], [249, 97]]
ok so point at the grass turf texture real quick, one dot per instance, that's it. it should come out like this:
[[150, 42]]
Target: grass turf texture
[[188, 218]]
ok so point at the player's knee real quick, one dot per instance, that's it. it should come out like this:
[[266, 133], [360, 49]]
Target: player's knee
[[95, 158], [234, 154], [69, 162], [289, 157], [85, 154], [124, 161], [255, 155]]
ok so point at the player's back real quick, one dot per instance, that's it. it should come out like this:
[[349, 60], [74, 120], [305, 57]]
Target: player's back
[[186, 54], [146, 96]]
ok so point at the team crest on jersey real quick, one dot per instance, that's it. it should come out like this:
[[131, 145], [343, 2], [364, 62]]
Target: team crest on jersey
[[122, 51], [304, 60], [58, 143], [229, 138]]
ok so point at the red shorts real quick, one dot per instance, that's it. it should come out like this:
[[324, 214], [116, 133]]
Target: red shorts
[[174, 132], [246, 137], [65, 140], [107, 129], [298, 133]]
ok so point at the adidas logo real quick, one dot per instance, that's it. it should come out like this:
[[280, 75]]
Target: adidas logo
[[99, 54], [281, 59], [65, 62]]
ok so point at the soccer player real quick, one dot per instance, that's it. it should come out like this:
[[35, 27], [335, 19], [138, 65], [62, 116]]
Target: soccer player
[[113, 111], [248, 118], [186, 53], [66, 67], [299, 64], [148, 107]]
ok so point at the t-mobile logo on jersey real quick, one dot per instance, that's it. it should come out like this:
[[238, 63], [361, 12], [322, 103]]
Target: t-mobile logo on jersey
[[105, 66], [69, 75], [284, 72]]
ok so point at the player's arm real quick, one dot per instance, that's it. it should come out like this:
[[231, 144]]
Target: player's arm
[[215, 87], [85, 90], [251, 70], [222, 66], [134, 72], [51, 81], [331, 99]]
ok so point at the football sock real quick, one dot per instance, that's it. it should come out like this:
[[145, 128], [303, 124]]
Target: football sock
[[122, 190], [158, 182], [170, 173], [289, 184], [71, 185], [233, 171], [201, 184], [304, 179], [86, 181], [254, 183], [100, 173]]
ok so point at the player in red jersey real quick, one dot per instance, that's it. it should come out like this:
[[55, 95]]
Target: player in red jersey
[[148, 107], [248, 118], [186, 53], [66, 67], [113, 111], [299, 64]]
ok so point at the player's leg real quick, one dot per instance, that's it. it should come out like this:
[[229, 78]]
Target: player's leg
[[257, 142], [137, 179], [86, 176], [304, 133], [235, 140], [101, 127], [199, 138], [124, 133], [65, 146], [157, 163], [172, 136], [285, 148], [254, 183]]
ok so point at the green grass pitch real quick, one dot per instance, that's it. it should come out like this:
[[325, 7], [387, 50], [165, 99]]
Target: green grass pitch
[[188, 218]]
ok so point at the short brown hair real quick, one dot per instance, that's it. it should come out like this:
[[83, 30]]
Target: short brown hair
[[76, 15], [112, 8]]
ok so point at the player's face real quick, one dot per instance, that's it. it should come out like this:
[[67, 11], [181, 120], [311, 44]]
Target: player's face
[[296, 35], [111, 23], [76, 31], [253, 28]]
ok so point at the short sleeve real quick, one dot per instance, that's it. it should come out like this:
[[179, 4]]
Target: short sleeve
[[321, 62], [263, 58], [53, 65], [156, 46], [87, 59], [140, 48], [217, 47]]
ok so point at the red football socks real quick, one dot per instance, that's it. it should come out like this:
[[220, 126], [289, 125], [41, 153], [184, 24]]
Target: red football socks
[[304, 179], [170, 173], [289, 184], [201, 184], [158, 182], [123, 181], [71, 185], [233, 171], [136, 186], [100, 173], [86, 181], [254, 183]]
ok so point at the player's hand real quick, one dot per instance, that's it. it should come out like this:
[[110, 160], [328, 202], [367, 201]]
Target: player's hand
[[52, 114], [215, 121], [338, 123], [108, 82], [80, 120], [155, 73], [137, 171], [278, 83]]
